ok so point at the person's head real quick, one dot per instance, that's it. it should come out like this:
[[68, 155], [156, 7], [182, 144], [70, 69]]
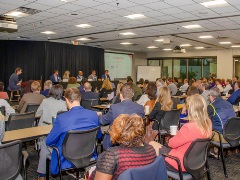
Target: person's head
[[217, 81], [126, 92], [185, 81], [129, 77], [169, 80], [106, 72], [175, 79], [56, 91], [1, 87], [35, 86], [164, 98], [192, 90], [73, 97], [130, 81], [18, 70], [197, 112], [228, 81], [107, 84], [66, 73], [223, 80], [237, 85], [204, 80], [234, 79], [214, 93], [47, 84], [159, 83], [87, 87], [80, 73], [141, 81], [205, 86], [146, 82], [151, 91], [72, 80], [93, 72], [120, 84], [194, 79], [55, 72], [127, 130]]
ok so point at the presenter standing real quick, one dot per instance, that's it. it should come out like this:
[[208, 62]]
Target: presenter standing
[[106, 75], [55, 78], [14, 83], [92, 77]]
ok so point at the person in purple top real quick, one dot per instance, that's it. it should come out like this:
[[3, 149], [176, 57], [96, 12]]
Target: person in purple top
[[14, 83]]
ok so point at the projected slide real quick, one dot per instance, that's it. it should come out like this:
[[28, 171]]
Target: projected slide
[[119, 65]]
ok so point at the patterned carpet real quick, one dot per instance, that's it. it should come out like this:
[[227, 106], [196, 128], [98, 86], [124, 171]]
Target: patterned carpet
[[232, 162]]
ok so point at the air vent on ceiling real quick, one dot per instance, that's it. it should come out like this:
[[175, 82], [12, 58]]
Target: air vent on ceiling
[[29, 11], [219, 37]]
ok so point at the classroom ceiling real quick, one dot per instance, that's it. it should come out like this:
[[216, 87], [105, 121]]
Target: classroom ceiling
[[164, 19]]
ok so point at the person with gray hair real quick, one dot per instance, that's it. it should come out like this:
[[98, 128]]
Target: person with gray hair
[[47, 87], [159, 83], [88, 94], [205, 92]]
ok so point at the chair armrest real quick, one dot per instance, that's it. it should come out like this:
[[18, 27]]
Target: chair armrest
[[58, 156], [47, 124]]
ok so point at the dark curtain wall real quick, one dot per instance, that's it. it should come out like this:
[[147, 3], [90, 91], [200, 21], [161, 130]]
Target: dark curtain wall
[[41, 58]]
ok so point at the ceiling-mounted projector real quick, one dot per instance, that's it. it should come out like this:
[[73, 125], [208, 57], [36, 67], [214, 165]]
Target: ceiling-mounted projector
[[8, 24], [179, 49]]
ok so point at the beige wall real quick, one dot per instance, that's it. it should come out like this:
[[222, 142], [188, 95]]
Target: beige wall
[[139, 59]]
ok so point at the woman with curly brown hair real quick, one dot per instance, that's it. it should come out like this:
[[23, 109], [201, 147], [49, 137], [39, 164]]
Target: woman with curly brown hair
[[128, 132], [106, 88]]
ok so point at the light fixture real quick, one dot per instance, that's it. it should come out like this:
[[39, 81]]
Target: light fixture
[[167, 49], [152, 47], [215, 3], [127, 33], [135, 16], [83, 39], [236, 46], [159, 40], [205, 37], [64, 0], [15, 14], [193, 26], [236, 59], [84, 25], [48, 32], [126, 43], [225, 43], [199, 47], [185, 45], [22, 12]]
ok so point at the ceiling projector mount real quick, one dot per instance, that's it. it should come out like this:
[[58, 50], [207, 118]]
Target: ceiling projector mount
[[179, 49]]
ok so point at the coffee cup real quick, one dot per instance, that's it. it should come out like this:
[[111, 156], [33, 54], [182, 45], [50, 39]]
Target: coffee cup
[[147, 109], [173, 130]]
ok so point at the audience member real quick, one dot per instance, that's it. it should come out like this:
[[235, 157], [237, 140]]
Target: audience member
[[1, 87], [31, 98], [145, 83], [80, 76], [8, 109], [52, 105], [228, 86], [66, 74], [205, 92], [14, 83], [77, 118], [219, 85], [159, 83], [140, 83], [185, 86], [106, 75], [172, 87], [116, 99], [234, 97], [192, 90], [223, 83], [47, 87], [81, 87], [72, 82], [149, 94], [125, 107], [2, 127], [128, 132], [92, 77], [3, 95], [175, 81], [234, 80], [105, 89], [211, 82], [88, 94], [55, 78], [137, 90]]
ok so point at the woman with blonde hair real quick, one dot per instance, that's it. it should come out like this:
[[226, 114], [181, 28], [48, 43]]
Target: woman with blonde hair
[[66, 74], [106, 88]]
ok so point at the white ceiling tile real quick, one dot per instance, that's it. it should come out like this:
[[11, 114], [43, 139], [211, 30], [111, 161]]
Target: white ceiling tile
[[71, 7], [106, 8], [179, 3], [193, 7], [122, 4], [38, 6], [172, 11], [158, 5], [88, 3], [139, 9]]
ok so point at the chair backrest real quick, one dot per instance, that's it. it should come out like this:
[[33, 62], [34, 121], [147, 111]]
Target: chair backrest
[[237, 101], [88, 103], [170, 118], [195, 157], [154, 171], [79, 145], [60, 112], [11, 160], [231, 131], [20, 121], [4, 95], [3, 110], [32, 107]]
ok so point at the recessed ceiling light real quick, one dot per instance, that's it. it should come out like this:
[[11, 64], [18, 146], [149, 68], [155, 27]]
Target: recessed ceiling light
[[185, 45], [236, 46], [48, 32], [193, 26], [199, 47], [159, 40], [225, 43], [167, 49], [152, 47], [205, 37], [135, 16], [16, 14], [236, 59], [84, 25], [127, 33], [64, 0], [126, 43], [83, 39], [215, 3]]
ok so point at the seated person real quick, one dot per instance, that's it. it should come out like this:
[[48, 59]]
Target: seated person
[[52, 105], [205, 92], [81, 87], [228, 86], [137, 90], [47, 87], [92, 77], [106, 88], [106, 75], [72, 82], [184, 87], [236, 94], [8, 109], [31, 98], [116, 99], [55, 78], [128, 132], [80, 76], [88, 94], [2, 127], [77, 118], [14, 83], [3, 95], [219, 85], [172, 86], [150, 94], [66, 75]]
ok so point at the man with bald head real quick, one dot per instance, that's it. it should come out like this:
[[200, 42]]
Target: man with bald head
[[88, 94]]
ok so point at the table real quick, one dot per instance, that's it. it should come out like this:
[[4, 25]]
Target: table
[[180, 97], [26, 134], [103, 106]]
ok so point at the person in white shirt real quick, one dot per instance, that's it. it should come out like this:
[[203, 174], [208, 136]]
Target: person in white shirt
[[185, 86], [228, 86], [150, 94], [172, 87], [8, 109], [159, 83], [219, 85], [92, 76]]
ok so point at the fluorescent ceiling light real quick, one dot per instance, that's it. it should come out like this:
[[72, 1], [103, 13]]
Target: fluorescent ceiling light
[[236, 59], [167, 49], [126, 43], [193, 26], [127, 33], [135, 16], [83, 39], [48, 32], [225, 43], [159, 40], [16, 14], [199, 47], [152, 47], [205, 37], [84, 25], [64, 0], [236, 46], [215, 3], [185, 45]]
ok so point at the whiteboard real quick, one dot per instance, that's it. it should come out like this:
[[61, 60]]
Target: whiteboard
[[150, 73]]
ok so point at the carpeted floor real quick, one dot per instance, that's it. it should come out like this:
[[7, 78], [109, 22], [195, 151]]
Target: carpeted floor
[[232, 162]]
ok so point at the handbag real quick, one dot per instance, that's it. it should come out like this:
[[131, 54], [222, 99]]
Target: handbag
[[150, 134]]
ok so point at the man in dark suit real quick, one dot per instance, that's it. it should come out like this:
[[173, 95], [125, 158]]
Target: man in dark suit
[[106, 75], [88, 94], [55, 78], [126, 106], [14, 83]]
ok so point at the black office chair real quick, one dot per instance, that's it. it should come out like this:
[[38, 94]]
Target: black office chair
[[195, 161], [11, 160], [237, 102], [32, 107], [88, 103], [2, 110], [78, 148], [20, 121], [231, 133]]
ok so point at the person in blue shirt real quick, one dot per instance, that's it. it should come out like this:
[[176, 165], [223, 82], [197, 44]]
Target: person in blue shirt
[[14, 83], [106, 75], [77, 118], [47, 87], [236, 94]]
